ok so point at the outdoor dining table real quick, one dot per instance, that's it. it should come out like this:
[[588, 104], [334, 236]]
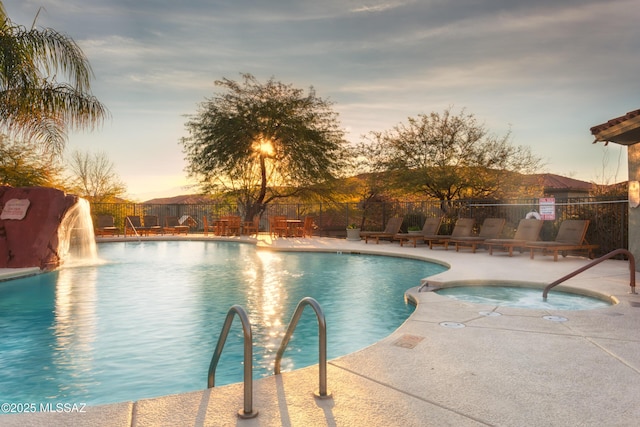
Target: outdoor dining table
[[220, 226]]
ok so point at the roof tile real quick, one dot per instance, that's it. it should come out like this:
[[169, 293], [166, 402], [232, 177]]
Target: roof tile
[[613, 122]]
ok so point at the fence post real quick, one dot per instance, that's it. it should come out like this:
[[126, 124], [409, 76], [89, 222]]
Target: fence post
[[346, 205]]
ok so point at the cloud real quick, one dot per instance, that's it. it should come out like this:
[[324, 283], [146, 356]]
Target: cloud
[[380, 7], [550, 68], [118, 47]]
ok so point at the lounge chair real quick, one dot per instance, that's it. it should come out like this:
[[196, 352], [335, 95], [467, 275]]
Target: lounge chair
[[570, 237], [151, 225], [132, 225], [106, 226], [463, 228], [173, 226], [528, 231], [430, 228], [392, 228], [491, 229]]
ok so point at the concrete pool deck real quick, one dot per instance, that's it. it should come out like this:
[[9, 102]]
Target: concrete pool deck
[[512, 369]]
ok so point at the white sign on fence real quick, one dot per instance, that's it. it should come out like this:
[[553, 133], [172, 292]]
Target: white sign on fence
[[547, 207]]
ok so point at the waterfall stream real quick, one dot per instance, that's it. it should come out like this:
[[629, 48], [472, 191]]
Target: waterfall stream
[[77, 243]]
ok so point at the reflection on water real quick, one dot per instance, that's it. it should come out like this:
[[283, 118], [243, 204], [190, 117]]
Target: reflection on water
[[145, 322], [74, 324], [266, 301]]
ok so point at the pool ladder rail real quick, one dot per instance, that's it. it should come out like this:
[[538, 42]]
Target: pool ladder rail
[[248, 411], [632, 271], [322, 391], [133, 227]]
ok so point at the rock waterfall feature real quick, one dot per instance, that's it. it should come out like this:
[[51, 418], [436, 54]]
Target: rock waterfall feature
[[39, 226]]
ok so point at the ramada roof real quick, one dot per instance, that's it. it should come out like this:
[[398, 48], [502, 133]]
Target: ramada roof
[[623, 130], [552, 181]]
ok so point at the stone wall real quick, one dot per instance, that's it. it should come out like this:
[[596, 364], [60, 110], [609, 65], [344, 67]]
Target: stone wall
[[33, 240]]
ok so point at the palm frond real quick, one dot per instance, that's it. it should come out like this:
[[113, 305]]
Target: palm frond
[[33, 104]]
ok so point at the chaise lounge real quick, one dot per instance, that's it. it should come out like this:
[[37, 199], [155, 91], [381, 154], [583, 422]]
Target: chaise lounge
[[151, 225], [491, 229], [463, 228], [528, 231], [106, 226], [174, 227], [392, 228], [570, 237], [430, 228], [132, 225]]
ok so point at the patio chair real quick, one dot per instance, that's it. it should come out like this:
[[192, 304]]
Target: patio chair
[[392, 228], [106, 226], [208, 227], [173, 226], [251, 227], [278, 226], [430, 228], [463, 228], [528, 231], [490, 229], [306, 228], [233, 225], [570, 237]]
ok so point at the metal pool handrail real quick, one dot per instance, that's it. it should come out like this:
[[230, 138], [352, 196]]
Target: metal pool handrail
[[322, 343], [632, 271], [247, 411], [132, 226]]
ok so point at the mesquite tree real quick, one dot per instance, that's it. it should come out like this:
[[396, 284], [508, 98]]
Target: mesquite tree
[[262, 141], [448, 156]]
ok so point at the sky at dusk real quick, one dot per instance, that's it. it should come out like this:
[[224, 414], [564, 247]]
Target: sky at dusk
[[548, 70]]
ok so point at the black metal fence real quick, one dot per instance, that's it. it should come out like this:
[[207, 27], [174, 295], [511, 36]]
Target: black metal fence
[[608, 216]]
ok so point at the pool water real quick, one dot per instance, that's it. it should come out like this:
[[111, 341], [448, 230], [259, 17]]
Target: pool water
[[508, 296], [145, 322]]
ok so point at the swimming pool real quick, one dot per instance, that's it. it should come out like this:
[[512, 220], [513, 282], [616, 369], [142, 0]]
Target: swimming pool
[[520, 297], [146, 321]]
